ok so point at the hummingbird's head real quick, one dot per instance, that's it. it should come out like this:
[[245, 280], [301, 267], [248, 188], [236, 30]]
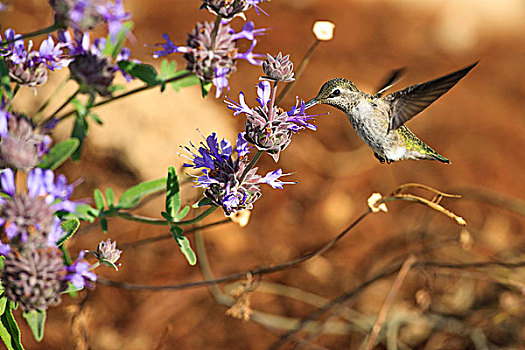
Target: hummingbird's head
[[338, 92]]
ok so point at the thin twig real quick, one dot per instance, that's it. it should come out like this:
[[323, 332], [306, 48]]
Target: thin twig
[[236, 276], [131, 92], [170, 236], [383, 311]]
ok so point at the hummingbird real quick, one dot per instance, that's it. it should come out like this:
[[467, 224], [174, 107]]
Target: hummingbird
[[379, 120]]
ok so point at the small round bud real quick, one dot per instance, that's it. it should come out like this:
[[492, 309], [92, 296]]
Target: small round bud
[[324, 30], [279, 68]]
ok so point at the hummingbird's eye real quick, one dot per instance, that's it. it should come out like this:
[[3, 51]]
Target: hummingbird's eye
[[335, 93]]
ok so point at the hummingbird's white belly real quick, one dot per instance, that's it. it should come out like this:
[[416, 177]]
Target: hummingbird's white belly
[[371, 124]]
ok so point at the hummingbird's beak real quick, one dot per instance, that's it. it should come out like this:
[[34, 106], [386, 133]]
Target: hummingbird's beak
[[311, 103]]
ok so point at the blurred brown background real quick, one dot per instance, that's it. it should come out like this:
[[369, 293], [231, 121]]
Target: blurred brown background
[[479, 125]]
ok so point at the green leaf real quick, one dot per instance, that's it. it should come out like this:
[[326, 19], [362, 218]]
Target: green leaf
[[80, 130], [184, 244], [205, 87], [69, 226], [3, 303], [115, 46], [110, 197], [184, 82], [36, 320], [172, 193], [9, 331], [133, 195], [144, 72], [181, 214], [84, 212], [99, 199], [58, 154], [96, 118], [5, 80]]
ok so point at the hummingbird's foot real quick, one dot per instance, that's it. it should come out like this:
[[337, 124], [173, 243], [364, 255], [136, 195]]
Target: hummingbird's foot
[[381, 159]]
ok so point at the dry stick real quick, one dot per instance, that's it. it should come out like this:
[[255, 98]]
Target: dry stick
[[347, 295], [383, 311]]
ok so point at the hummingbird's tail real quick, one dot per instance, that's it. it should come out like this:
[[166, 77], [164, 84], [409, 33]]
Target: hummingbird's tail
[[437, 156]]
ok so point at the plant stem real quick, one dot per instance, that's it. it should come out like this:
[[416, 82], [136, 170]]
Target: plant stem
[[129, 93], [46, 30], [52, 118], [52, 96], [299, 70], [162, 222]]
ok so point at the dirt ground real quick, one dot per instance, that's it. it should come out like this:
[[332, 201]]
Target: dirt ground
[[479, 125]]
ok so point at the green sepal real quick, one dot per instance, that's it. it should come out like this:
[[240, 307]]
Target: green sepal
[[9, 331], [145, 72], [58, 154], [99, 199], [110, 197], [69, 226], [36, 320], [133, 195], [184, 244], [71, 289], [172, 194], [205, 87], [204, 201]]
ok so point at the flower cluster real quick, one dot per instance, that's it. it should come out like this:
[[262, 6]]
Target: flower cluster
[[211, 53], [230, 8], [34, 272], [267, 126], [21, 145], [30, 67], [229, 183], [90, 67], [84, 15]]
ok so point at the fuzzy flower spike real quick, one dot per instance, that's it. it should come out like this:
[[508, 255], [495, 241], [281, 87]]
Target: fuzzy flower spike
[[227, 181], [267, 126], [213, 56]]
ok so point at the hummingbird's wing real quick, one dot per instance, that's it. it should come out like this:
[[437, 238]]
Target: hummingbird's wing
[[407, 103], [391, 79]]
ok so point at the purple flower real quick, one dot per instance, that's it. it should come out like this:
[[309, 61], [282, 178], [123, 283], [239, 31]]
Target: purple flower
[[212, 55], [79, 274], [114, 15], [230, 8], [268, 127], [84, 15], [29, 67], [31, 216], [22, 145], [226, 180]]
